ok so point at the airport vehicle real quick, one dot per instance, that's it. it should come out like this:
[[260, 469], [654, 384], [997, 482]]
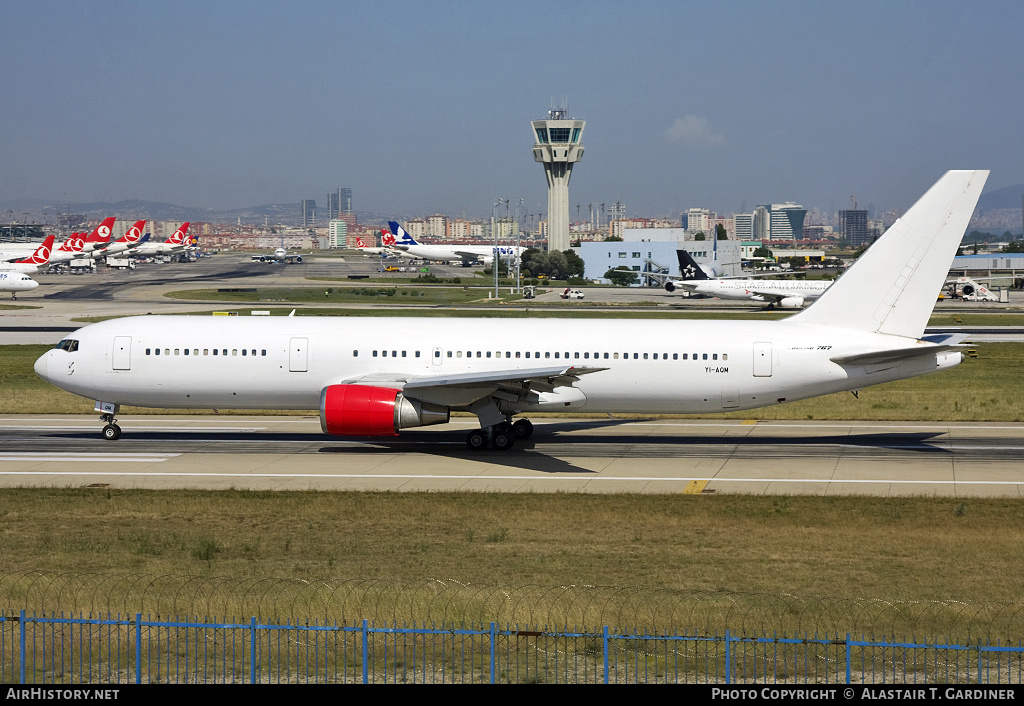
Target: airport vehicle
[[178, 242], [571, 294], [369, 379], [31, 264], [15, 282], [121, 263], [971, 291], [406, 246]]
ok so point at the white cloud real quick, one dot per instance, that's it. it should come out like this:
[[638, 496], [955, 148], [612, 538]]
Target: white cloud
[[692, 131]]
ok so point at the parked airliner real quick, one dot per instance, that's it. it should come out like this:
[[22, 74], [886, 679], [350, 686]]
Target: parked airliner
[[371, 379], [787, 293], [32, 264], [405, 245], [178, 242]]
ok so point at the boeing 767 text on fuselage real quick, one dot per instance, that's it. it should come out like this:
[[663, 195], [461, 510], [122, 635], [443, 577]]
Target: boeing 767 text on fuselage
[[369, 379]]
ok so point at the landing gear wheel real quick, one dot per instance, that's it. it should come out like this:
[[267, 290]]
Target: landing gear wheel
[[111, 432], [476, 439], [503, 439], [523, 429]]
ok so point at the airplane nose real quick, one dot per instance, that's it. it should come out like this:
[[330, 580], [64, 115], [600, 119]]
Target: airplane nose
[[32, 284], [41, 364]]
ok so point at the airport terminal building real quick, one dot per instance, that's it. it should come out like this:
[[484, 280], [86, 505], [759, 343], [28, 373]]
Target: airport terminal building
[[655, 250]]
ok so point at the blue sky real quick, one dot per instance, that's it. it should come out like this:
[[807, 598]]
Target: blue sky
[[425, 106]]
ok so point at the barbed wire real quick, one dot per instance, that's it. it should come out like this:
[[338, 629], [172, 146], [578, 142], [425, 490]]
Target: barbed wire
[[450, 601]]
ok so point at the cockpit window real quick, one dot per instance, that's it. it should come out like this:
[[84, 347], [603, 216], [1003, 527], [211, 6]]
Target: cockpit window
[[68, 344]]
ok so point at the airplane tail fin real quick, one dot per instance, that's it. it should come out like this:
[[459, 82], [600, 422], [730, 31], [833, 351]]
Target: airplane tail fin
[[135, 232], [41, 256], [893, 286], [401, 235], [688, 267], [178, 237], [102, 232]]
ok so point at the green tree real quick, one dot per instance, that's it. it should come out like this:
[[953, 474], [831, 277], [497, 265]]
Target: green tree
[[621, 276], [573, 263], [613, 239], [763, 252], [720, 233], [700, 236]]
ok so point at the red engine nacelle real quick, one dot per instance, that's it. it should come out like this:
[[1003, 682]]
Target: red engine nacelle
[[363, 410]]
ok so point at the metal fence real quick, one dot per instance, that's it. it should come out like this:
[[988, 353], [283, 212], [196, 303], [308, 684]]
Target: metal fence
[[58, 649]]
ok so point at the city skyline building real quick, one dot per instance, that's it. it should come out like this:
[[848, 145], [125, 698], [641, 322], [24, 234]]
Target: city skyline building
[[308, 213], [853, 226], [558, 147]]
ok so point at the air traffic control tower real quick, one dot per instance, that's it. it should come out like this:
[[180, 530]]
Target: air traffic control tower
[[558, 147]]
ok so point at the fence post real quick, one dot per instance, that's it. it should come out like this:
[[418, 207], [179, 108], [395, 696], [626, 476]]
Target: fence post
[[366, 653], [138, 648], [252, 650], [849, 673], [728, 661], [21, 628], [605, 654], [494, 636]]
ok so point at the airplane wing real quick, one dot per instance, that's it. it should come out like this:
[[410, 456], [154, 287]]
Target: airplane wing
[[465, 388], [468, 255]]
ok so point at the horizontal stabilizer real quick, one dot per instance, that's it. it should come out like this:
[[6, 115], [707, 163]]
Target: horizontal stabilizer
[[894, 355]]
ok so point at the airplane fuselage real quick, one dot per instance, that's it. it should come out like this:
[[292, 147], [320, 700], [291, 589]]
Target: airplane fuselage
[[757, 289], [649, 366]]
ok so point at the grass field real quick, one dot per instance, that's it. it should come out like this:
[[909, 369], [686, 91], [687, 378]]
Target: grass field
[[755, 549]]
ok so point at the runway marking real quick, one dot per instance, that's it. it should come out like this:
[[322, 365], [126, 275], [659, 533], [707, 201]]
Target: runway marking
[[695, 487], [133, 427], [546, 476], [72, 457]]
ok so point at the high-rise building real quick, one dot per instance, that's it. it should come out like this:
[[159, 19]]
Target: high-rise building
[[787, 221], [309, 213], [339, 202], [558, 148], [853, 225], [744, 225]]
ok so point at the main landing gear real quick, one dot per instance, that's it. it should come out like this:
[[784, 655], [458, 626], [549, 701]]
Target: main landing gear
[[501, 437]]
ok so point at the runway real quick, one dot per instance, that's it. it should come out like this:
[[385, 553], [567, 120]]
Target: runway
[[684, 456]]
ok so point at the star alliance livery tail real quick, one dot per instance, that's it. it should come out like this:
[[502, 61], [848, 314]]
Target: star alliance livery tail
[[892, 287]]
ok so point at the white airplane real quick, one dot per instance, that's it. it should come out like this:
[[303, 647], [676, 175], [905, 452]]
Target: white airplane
[[31, 264], [370, 379], [15, 282], [178, 242], [280, 255], [787, 293], [406, 246]]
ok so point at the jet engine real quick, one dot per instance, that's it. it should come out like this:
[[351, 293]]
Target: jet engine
[[298, 258], [669, 286], [363, 410], [794, 302]]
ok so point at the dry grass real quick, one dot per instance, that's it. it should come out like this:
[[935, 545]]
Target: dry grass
[[842, 548]]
